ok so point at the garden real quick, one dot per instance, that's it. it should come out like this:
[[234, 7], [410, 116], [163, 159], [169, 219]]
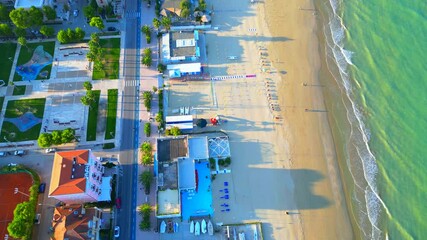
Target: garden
[[110, 131], [22, 120], [8, 52], [110, 60], [34, 61]]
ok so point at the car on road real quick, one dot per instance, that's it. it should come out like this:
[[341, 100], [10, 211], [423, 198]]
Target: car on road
[[19, 152], [118, 203], [37, 219], [42, 187], [76, 12], [50, 150], [116, 231], [112, 29], [3, 154]]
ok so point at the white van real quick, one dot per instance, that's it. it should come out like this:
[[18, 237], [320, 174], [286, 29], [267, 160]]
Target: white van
[[37, 219]]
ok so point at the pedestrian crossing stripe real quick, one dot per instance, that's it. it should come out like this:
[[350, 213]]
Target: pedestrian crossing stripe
[[130, 83]]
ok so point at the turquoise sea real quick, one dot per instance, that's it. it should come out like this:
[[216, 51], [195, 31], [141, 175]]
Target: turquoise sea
[[377, 53]]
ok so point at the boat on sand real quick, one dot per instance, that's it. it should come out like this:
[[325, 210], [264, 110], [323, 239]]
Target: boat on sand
[[210, 228], [203, 226], [197, 229], [192, 227], [163, 227]]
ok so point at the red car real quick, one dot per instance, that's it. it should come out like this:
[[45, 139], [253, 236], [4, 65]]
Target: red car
[[118, 203]]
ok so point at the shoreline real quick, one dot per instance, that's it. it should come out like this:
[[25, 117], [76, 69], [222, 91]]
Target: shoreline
[[340, 227]]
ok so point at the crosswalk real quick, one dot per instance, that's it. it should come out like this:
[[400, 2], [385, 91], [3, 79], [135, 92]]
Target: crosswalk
[[131, 83], [132, 14], [252, 29]]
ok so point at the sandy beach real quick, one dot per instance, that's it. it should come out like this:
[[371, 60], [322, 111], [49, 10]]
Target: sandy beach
[[282, 149]]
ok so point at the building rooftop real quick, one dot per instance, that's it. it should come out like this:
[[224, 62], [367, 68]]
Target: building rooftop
[[73, 222], [198, 147], [68, 172], [182, 44], [186, 173], [28, 3], [168, 149], [172, 6], [168, 202], [167, 175]]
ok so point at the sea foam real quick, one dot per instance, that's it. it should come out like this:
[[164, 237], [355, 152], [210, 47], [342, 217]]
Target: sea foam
[[364, 160]]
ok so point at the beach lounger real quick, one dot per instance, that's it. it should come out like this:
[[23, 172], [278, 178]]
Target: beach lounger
[[225, 183], [227, 210]]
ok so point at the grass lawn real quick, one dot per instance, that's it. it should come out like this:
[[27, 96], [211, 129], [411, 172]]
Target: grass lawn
[[111, 59], [15, 108], [27, 52], [8, 51], [110, 131], [93, 118], [19, 90]]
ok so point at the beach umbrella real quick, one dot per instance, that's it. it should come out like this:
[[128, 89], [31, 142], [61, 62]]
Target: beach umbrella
[[201, 123], [205, 18]]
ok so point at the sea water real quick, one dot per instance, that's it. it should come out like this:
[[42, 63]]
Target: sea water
[[377, 53]]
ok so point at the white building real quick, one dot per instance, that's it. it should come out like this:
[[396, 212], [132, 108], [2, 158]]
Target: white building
[[77, 178]]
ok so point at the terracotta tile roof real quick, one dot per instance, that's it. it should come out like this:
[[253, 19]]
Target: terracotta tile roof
[[64, 179], [70, 223]]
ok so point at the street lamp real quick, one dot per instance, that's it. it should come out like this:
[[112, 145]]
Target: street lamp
[[16, 191]]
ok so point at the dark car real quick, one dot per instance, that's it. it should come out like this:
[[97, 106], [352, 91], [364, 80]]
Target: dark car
[[118, 203], [42, 187], [112, 29]]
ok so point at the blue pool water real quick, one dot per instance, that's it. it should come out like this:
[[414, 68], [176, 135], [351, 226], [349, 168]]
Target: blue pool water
[[198, 203]]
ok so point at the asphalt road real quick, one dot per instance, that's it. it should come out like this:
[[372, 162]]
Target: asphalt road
[[126, 216]]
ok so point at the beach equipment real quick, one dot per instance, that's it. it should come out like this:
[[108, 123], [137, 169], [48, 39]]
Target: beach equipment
[[210, 228], [163, 227], [192, 227], [242, 236], [234, 234], [204, 226], [197, 229], [225, 183], [175, 227]]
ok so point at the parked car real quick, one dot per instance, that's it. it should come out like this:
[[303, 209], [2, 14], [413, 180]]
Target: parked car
[[19, 152], [118, 203], [12, 164], [116, 231], [112, 29], [50, 150], [42, 187], [3, 154], [76, 12], [37, 219]]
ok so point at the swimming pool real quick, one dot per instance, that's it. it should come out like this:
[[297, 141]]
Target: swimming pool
[[198, 203]]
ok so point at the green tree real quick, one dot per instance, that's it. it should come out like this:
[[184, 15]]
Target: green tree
[[49, 12], [147, 129], [146, 29], [21, 18], [56, 137], [79, 34], [145, 210], [85, 100], [147, 60], [146, 178], [23, 219], [4, 13], [156, 23], [185, 4], [146, 147], [185, 13], [45, 140], [36, 16], [62, 36], [161, 68], [166, 23], [89, 12], [47, 31], [5, 30], [175, 131], [202, 5], [68, 135], [19, 32], [22, 41], [146, 159], [97, 22], [87, 85]]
